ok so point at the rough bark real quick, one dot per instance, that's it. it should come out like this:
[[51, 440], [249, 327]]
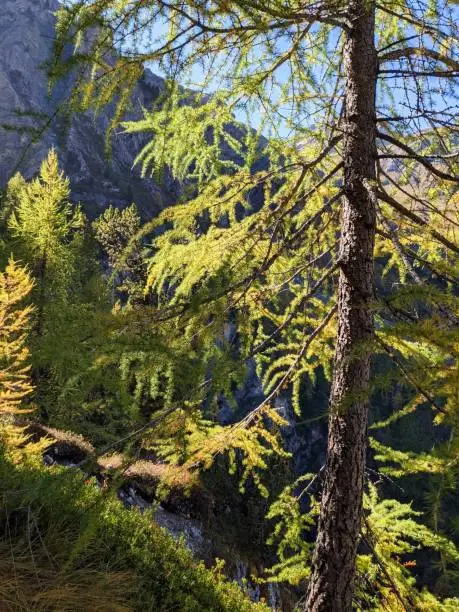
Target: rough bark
[[331, 583]]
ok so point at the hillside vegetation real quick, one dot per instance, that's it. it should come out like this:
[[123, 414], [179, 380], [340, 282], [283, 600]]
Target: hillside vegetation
[[263, 361]]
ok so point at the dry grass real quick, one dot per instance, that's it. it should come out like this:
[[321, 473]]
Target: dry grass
[[64, 443], [148, 473], [152, 474], [112, 462], [35, 575]]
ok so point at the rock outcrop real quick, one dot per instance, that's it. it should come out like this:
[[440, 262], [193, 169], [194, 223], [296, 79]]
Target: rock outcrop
[[26, 34]]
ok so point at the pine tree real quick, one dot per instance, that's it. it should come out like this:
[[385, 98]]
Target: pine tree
[[355, 84]]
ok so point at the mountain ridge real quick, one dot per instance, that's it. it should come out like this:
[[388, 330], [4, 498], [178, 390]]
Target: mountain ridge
[[26, 34]]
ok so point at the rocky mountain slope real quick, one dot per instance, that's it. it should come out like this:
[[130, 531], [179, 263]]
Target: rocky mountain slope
[[26, 33]]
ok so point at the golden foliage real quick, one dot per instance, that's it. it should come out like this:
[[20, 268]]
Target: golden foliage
[[15, 384]]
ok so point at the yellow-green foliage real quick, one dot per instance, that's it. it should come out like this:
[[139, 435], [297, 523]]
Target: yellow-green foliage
[[257, 246], [262, 268], [184, 438], [15, 383], [414, 463], [190, 140], [43, 220], [394, 536], [391, 535], [291, 534]]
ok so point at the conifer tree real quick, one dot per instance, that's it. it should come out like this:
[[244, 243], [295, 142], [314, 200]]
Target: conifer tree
[[116, 231], [362, 89], [15, 384], [42, 224]]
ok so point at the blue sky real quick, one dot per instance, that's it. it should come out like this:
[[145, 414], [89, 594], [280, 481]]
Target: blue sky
[[195, 78]]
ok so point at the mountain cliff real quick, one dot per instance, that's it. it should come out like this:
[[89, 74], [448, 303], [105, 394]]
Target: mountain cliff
[[26, 34]]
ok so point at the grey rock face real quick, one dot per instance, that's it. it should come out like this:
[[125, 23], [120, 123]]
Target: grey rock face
[[26, 33]]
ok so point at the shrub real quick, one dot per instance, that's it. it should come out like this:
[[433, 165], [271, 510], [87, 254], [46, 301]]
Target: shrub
[[90, 544]]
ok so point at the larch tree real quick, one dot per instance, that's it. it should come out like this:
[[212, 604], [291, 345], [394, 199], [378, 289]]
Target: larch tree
[[15, 383], [358, 101], [42, 223]]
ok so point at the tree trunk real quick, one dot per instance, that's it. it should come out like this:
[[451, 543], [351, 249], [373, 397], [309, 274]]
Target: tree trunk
[[331, 583]]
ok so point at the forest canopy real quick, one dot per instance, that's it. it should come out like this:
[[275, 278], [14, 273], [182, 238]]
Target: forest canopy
[[312, 255]]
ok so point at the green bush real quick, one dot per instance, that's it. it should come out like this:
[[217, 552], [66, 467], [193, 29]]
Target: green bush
[[85, 535]]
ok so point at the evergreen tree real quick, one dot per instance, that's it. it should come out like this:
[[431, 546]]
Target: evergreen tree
[[354, 83], [8, 200], [116, 231]]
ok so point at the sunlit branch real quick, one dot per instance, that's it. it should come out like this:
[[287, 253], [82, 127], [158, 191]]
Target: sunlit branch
[[286, 378], [413, 197], [382, 195], [398, 247], [415, 257], [327, 274], [436, 31], [419, 158], [420, 52], [394, 73], [408, 376]]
